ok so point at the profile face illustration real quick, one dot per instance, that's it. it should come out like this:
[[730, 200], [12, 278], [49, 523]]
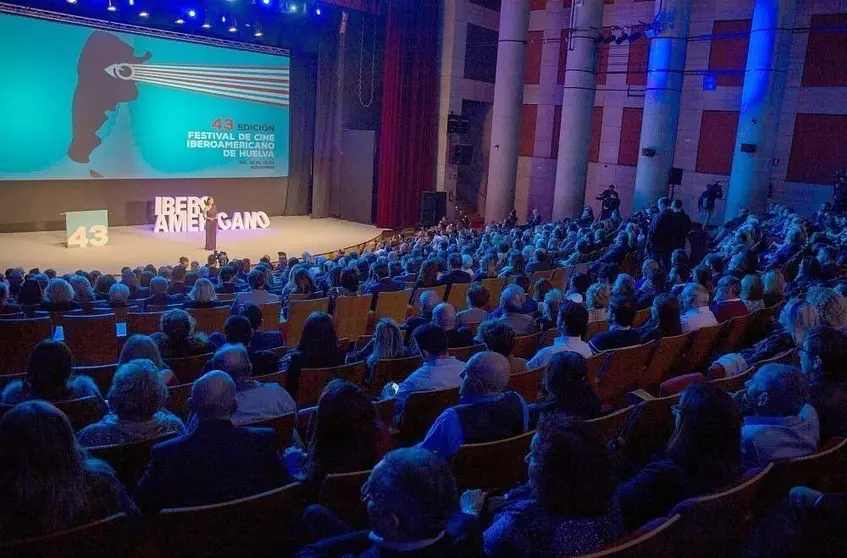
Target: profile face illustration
[[103, 71]]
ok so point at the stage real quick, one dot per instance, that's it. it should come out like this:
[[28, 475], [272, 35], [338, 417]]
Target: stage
[[134, 246]]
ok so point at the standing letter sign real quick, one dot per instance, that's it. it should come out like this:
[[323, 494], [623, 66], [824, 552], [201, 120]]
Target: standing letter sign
[[87, 228]]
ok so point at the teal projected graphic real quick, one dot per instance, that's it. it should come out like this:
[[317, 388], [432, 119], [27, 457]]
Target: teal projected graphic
[[82, 103]]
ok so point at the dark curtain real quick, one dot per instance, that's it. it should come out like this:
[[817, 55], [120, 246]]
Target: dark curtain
[[303, 82], [407, 135]]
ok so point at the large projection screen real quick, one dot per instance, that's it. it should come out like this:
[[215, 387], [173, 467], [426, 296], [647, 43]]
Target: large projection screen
[[83, 103]]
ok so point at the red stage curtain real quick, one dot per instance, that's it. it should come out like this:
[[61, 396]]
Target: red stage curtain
[[407, 135]]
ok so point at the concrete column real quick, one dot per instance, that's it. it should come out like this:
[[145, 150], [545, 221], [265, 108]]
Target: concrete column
[[585, 22], [508, 97], [661, 101], [761, 103]]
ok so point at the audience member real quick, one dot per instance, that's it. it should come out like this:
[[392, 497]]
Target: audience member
[[159, 297], [728, 303], [137, 408], [773, 285], [780, 423], [573, 321], [444, 316], [48, 483], [621, 334], [317, 348], [695, 308], [256, 400], [143, 347], [477, 300], [202, 295], [703, 455], [455, 275], [176, 337], [216, 461], [342, 435], [752, 293], [832, 308], [486, 412], [499, 338], [823, 355], [597, 301], [512, 300], [257, 294], [428, 301], [439, 369], [261, 340], [567, 388], [568, 505]]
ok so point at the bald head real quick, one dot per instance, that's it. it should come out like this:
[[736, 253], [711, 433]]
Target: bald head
[[444, 316], [429, 300], [512, 298], [234, 360], [213, 396], [486, 373]]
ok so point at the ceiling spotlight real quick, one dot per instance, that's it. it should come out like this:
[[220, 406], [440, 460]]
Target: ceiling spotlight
[[258, 33], [132, 2], [266, 2], [292, 8], [179, 21], [192, 13], [223, 19], [111, 7], [233, 29], [71, 1], [318, 11], [143, 13], [206, 25]]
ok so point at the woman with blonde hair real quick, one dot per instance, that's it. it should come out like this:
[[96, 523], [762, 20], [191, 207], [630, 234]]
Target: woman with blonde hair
[[597, 301], [773, 285], [752, 292], [202, 295], [386, 343]]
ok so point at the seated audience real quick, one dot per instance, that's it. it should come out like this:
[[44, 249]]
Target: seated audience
[[568, 391], [256, 400], [260, 340], [176, 337], [177, 284], [216, 461], [30, 293], [703, 456], [137, 408], [499, 338], [780, 422], [317, 348], [773, 286], [823, 356], [48, 483], [428, 301], [796, 318], [380, 281], [573, 321], [477, 300], [411, 498], [143, 347], [202, 295], [257, 294], [486, 412], [597, 301], [83, 291], [118, 296], [439, 369], [159, 297], [342, 435], [664, 319], [696, 314], [59, 297], [227, 283], [512, 300], [49, 376], [455, 275], [444, 316], [386, 343], [831, 306], [568, 506], [621, 334], [728, 303], [752, 293]]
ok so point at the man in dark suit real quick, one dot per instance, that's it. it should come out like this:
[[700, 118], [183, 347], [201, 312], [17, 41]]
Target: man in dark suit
[[539, 262], [682, 224], [380, 282], [455, 275], [178, 286], [621, 333], [159, 294], [226, 279], [444, 316], [661, 235], [129, 279], [216, 461], [428, 301], [261, 340]]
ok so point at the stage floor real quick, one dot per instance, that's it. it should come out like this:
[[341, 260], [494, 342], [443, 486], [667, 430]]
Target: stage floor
[[138, 245]]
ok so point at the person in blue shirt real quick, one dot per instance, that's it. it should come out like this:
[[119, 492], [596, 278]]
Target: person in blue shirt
[[485, 413]]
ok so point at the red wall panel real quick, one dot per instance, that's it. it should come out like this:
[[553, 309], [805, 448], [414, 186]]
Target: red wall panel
[[636, 63], [730, 53], [557, 129], [563, 56], [818, 149], [603, 58], [717, 141], [538, 5], [826, 54], [534, 46], [526, 141], [596, 129], [628, 148]]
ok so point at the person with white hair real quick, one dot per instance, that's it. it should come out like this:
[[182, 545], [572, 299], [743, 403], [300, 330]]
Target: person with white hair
[[511, 301], [427, 301], [216, 461], [486, 411], [118, 295], [202, 295], [444, 316], [695, 307], [59, 297]]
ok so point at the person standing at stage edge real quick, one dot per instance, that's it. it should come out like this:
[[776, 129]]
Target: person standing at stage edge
[[611, 201], [661, 237], [211, 215]]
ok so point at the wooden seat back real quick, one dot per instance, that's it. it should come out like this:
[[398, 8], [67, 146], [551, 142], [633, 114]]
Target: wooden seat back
[[621, 372], [144, 323], [271, 315], [495, 465], [128, 460], [113, 533], [420, 411], [528, 384], [210, 320], [81, 412], [102, 375], [283, 425], [298, 312], [17, 340], [351, 316], [668, 351], [494, 286], [465, 353], [314, 380], [188, 369], [526, 345], [458, 295], [92, 339], [393, 370], [342, 493], [392, 305]]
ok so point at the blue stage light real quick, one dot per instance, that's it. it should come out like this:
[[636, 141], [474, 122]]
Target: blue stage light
[[233, 29], [318, 11], [179, 21], [143, 13], [206, 25], [223, 19], [266, 2], [111, 7], [132, 2], [192, 13], [71, 1]]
